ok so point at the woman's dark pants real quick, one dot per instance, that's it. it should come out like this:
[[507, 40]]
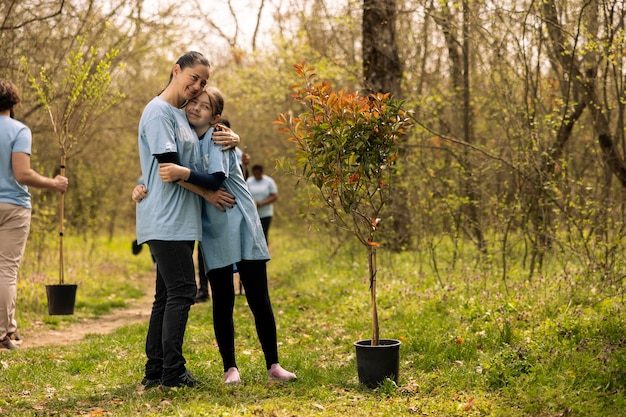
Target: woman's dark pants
[[175, 292]]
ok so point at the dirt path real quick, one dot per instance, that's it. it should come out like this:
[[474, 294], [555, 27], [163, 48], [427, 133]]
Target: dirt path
[[138, 311]]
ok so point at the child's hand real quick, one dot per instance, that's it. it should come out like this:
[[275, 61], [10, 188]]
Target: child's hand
[[173, 173]]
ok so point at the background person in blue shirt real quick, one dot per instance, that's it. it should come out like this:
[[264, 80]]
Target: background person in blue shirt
[[16, 176], [230, 237], [265, 193]]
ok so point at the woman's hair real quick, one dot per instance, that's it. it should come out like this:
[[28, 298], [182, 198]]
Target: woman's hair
[[9, 95], [216, 99], [191, 59]]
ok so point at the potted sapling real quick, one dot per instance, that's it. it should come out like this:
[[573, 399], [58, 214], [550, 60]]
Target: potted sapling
[[346, 146], [73, 103]]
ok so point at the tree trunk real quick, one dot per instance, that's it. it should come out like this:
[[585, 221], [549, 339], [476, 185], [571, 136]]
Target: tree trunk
[[382, 69], [459, 57], [470, 186], [372, 271], [382, 72]]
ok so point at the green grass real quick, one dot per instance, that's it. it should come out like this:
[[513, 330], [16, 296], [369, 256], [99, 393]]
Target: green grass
[[107, 274], [549, 348]]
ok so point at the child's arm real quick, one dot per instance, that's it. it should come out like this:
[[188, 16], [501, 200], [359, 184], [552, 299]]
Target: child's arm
[[170, 172]]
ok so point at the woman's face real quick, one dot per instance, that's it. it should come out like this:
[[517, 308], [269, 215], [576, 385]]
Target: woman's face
[[199, 111], [191, 80]]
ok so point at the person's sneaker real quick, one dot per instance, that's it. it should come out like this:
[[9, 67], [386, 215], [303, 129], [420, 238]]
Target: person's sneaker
[[232, 376], [278, 373], [7, 343], [183, 380], [150, 383], [201, 297], [15, 337]]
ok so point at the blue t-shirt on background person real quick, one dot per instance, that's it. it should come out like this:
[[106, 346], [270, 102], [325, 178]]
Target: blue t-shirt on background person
[[260, 190], [14, 137]]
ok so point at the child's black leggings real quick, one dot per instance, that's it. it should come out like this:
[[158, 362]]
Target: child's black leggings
[[253, 275]]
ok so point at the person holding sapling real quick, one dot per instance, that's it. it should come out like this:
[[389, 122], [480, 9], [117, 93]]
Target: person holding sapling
[[16, 175]]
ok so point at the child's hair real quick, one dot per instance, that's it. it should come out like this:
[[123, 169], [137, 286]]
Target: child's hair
[[257, 167], [216, 99], [191, 59], [225, 122], [9, 95]]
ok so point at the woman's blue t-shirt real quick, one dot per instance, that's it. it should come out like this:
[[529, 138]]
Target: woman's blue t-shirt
[[169, 212]]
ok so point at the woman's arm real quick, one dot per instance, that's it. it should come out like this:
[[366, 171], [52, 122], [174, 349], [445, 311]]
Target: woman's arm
[[224, 136], [220, 198]]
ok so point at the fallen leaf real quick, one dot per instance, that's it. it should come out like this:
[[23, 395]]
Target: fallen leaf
[[468, 405]]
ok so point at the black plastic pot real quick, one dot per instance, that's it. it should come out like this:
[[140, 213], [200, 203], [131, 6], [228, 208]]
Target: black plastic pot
[[61, 299], [375, 363]]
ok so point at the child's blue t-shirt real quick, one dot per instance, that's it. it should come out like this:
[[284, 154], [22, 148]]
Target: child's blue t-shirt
[[235, 234]]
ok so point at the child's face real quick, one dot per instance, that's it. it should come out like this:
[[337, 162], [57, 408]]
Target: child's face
[[199, 111]]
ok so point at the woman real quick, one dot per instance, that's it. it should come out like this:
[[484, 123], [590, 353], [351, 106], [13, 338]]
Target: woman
[[168, 219], [16, 176], [230, 237]]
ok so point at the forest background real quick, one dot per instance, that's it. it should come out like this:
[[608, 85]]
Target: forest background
[[502, 258], [518, 145]]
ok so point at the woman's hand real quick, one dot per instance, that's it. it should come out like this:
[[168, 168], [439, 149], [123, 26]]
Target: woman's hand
[[224, 136], [139, 193], [172, 172], [221, 199]]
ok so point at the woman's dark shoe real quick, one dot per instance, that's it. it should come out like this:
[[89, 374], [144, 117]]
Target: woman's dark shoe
[[184, 380], [150, 383]]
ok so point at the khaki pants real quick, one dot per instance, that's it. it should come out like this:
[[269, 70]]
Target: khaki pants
[[14, 227]]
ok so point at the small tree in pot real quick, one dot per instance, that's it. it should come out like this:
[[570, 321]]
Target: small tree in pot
[[73, 104], [346, 145]]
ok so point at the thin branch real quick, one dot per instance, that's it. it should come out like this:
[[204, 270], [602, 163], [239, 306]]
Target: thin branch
[[256, 27], [34, 19]]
